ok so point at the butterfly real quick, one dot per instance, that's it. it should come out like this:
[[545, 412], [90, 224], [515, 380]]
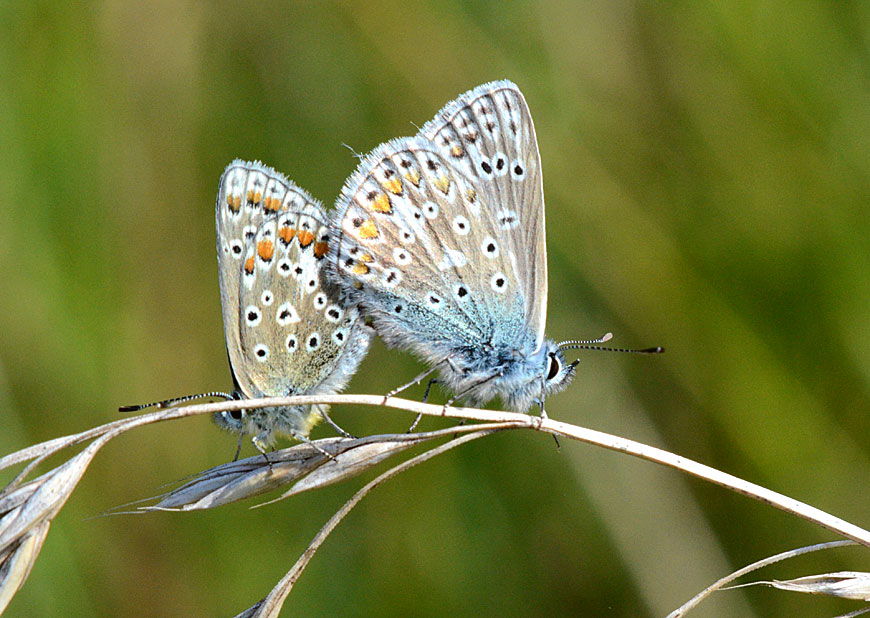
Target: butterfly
[[440, 239], [286, 330]]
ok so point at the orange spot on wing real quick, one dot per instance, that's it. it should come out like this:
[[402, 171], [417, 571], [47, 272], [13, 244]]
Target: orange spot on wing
[[442, 183], [305, 238], [234, 202], [320, 249], [286, 234], [456, 151], [272, 204], [366, 257], [368, 230], [249, 265], [265, 249], [471, 195], [394, 186], [360, 269], [381, 203], [254, 197], [414, 177]]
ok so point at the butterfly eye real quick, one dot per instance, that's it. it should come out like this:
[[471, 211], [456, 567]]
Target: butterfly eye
[[236, 415], [555, 367]]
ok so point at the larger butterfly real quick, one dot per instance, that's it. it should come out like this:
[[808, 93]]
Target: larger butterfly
[[286, 332], [440, 239]]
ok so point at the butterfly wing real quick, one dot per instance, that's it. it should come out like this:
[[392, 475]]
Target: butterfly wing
[[294, 335], [271, 241], [419, 248], [248, 192], [441, 236], [489, 133]]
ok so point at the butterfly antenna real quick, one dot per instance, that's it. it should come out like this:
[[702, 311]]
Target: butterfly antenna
[[591, 344], [602, 339], [358, 155], [171, 402]]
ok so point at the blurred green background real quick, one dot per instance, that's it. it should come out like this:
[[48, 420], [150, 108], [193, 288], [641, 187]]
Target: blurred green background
[[707, 182]]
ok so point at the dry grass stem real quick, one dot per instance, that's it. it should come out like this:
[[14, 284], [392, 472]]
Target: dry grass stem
[[722, 583], [270, 607], [27, 508], [590, 436], [844, 584], [26, 513], [17, 559]]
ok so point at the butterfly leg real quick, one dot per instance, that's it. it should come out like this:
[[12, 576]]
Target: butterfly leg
[[332, 423], [313, 445], [424, 400], [415, 423], [544, 416], [238, 447], [261, 446], [428, 388], [416, 380]]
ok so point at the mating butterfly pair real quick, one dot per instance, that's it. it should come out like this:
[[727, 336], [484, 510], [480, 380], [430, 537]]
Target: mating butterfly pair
[[438, 238]]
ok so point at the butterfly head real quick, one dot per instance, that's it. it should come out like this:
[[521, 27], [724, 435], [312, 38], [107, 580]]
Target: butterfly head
[[559, 372], [545, 372]]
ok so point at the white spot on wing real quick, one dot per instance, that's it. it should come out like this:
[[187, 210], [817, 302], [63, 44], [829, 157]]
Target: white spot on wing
[[286, 314], [406, 236], [392, 277], [433, 301], [339, 336], [489, 247], [498, 282], [508, 219], [518, 170], [253, 315], [261, 352], [500, 164], [430, 210], [451, 258], [402, 256], [312, 342], [334, 313], [291, 343]]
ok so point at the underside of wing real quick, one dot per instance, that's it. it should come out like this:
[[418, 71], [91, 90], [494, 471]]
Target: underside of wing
[[250, 195], [294, 335], [418, 247], [488, 132]]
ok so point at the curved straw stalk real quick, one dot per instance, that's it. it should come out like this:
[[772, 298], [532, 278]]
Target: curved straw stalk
[[26, 509]]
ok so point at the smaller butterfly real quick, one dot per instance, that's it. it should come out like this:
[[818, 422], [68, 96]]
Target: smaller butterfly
[[286, 331], [440, 239]]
